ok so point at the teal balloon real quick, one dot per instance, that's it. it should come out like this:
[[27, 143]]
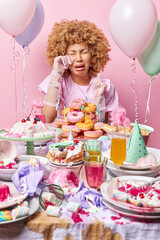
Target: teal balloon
[[150, 58]]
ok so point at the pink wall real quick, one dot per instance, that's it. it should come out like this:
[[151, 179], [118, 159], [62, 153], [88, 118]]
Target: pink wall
[[118, 70]]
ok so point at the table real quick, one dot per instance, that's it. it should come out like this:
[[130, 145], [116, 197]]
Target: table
[[103, 224]]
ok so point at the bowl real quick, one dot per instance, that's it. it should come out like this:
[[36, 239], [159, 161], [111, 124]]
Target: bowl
[[6, 174], [8, 150], [141, 126]]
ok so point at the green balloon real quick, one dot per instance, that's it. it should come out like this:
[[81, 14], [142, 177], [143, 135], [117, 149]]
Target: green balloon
[[150, 58]]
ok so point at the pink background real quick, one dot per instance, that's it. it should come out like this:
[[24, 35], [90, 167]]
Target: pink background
[[118, 70]]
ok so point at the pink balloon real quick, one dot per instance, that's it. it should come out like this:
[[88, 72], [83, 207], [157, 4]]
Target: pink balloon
[[132, 25], [15, 15]]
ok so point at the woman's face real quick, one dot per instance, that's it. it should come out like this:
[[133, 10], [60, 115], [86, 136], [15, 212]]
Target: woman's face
[[80, 57]]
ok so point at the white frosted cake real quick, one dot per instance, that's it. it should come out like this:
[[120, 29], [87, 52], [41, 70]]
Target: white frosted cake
[[27, 128]]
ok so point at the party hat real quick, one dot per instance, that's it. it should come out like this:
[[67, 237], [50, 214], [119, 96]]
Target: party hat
[[70, 137], [136, 147]]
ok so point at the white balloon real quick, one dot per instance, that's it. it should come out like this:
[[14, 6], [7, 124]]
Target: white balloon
[[132, 25], [15, 15]]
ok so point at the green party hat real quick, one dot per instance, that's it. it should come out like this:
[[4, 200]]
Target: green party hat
[[136, 147]]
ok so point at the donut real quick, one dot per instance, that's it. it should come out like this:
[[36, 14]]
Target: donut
[[66, 134], [109, 128], [98, 126], [85, 125], [75, 116], [90, 108], [61, 121], [93, 133], [65, 111], [68, 128], [77, 103]]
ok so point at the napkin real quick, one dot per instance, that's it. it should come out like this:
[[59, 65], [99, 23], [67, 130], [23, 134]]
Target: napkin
[[27, 177], [85, 197]]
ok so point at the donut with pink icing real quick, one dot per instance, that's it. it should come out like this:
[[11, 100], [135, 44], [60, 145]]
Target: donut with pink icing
[[66, 134], [98, 126], [75, 116], [61, 121], [93, 133], [68, 128], [77, 103]]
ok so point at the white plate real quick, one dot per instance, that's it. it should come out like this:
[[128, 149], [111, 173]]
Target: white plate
[[16, 197], [114, 174], [33, 207], [121, 172], [154, 151], [43, 160], [126, 213], [107, 192], [6, 174]]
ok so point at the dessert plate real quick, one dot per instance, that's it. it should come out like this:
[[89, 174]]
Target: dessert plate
[[155, 152], [33, 207], [107, 192], [126, 213], [15, 198], [142, 126], [124, 172], [6, 174]]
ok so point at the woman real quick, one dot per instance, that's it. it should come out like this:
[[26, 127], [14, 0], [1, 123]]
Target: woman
[[78, 51]]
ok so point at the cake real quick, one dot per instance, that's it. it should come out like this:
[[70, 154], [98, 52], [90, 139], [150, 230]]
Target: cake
[[149, 161], [4, 192], [135, 193], [66, 152], [29, 128], [66, 179]]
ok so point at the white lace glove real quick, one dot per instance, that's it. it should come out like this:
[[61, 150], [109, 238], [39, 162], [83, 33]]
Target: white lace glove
[[60, 64], [99, 87]]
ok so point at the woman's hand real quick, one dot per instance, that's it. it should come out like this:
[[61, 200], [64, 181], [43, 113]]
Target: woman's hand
[[99, 87], [60, 64]]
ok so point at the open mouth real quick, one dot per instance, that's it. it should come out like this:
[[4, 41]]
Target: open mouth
[[80, 67]]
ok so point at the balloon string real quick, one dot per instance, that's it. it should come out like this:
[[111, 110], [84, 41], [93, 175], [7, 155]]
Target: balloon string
[[26, 51], [15, 59], [133, 87], [148, 98]]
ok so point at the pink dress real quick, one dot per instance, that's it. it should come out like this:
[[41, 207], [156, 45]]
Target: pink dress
[[70, 90]]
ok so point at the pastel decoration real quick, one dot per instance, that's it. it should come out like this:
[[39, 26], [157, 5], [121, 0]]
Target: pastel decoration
[[50, 197], [15, 15], [73, 207], [132, 25], [119, 195], [82, 108], [116, 184], [34, 27], [136, 147], [5, 215], [150, 58], [24, 203], [20, 212], [53, 211], [70, 137]]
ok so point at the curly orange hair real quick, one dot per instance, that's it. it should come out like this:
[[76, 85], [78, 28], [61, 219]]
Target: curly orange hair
[[70, 32]]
